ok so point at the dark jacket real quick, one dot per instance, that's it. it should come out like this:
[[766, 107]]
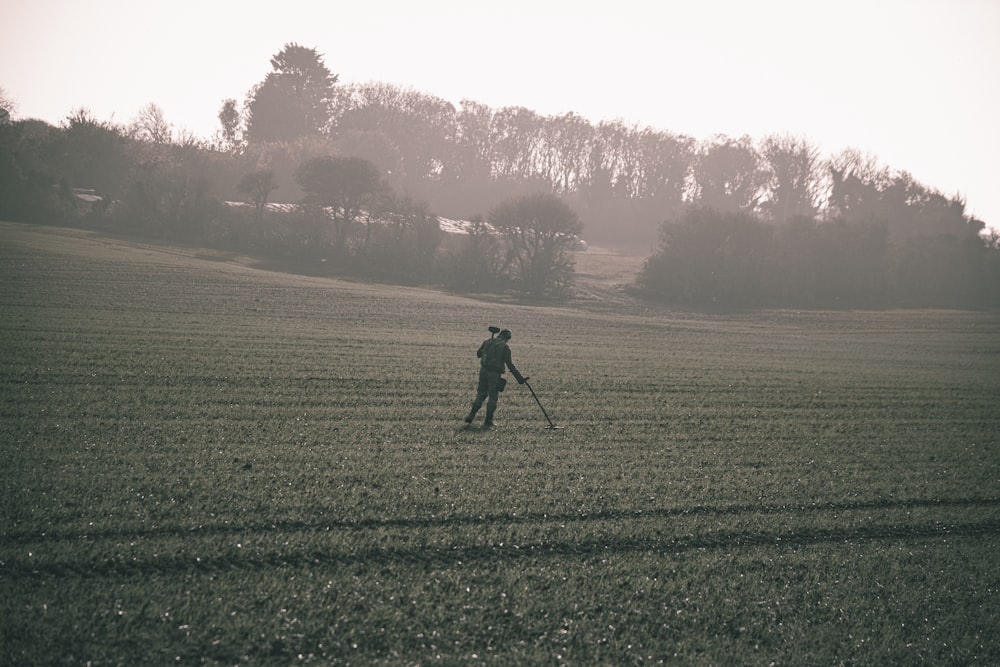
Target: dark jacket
[[494, 354]]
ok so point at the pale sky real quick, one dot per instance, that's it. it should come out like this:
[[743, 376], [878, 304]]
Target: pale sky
[[914, 82]]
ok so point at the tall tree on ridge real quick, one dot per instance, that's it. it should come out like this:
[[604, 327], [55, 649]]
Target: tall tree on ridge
[[728, 176], [794, 173], [229, 136], [294, 98]]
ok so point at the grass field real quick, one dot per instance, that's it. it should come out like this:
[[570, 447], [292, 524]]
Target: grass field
[[208, 463]]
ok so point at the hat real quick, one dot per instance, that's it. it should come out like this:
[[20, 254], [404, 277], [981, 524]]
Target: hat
[[505, 334]]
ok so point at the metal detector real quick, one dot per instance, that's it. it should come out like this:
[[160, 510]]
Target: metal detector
[[551, 426]]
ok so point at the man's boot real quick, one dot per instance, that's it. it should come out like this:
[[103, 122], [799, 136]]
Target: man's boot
[[472, 414], [489, 419]]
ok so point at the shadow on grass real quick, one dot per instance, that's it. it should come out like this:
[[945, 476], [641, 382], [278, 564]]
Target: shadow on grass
[[326, 525], [446, 555]]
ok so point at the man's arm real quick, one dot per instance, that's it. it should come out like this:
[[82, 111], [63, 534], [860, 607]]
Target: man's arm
[[510, 364]]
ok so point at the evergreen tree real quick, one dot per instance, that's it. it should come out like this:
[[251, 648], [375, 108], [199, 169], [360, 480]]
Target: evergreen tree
[[294, 99]]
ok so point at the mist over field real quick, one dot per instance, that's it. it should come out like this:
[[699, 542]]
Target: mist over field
[[367, 180], [210, 462]]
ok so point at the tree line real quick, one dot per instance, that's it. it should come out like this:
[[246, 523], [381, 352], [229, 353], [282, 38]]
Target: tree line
[[729, 220]]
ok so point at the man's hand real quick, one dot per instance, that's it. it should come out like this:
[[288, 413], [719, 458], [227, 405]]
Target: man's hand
[[522, 380]]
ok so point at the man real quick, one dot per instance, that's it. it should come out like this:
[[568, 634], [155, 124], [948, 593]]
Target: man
[[494, 357]]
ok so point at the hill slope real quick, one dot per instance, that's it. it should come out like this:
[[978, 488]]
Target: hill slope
[[205, 462]]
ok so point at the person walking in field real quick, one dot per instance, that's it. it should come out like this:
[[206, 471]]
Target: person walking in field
[[494, 357]]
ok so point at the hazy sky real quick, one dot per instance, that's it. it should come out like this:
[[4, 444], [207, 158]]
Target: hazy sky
[[914, 82]]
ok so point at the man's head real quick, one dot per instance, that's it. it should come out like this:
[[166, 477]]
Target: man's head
[[505, 334]]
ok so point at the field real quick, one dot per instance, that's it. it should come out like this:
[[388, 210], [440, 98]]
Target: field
[[204, 462]]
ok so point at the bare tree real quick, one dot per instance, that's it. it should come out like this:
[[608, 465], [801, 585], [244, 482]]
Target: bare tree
[[151, 125], [258, 186], [541, 230], [7, 107], [794, 176], [346, 186], [728, 176]]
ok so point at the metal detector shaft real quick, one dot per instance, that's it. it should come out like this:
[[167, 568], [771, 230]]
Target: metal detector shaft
[[551, 425]]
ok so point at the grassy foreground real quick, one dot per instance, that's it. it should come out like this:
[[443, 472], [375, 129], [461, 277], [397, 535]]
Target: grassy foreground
[[205, 463]]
